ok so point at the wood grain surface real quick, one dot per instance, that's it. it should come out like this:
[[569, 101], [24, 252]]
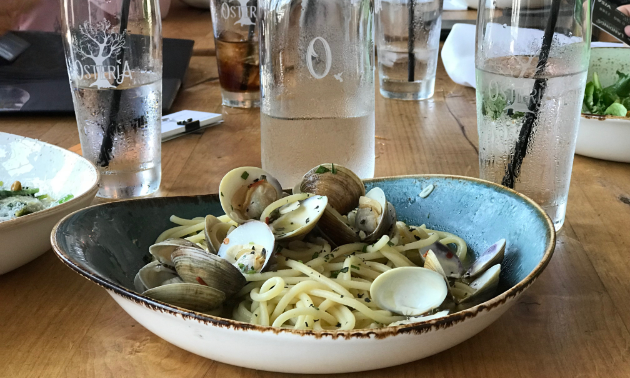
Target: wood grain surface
[[573, 322]]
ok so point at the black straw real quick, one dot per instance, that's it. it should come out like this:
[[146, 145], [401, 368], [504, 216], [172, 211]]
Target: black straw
[[250, 51], [108, 143], [411, 63], [513, 169]]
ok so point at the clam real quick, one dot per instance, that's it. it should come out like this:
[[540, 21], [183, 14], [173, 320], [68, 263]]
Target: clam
[[294, 216], [188, 295], [442, 257], [162, 250], [245, 193], [409, 291], [155, 274], [249, 247], [215, 231], [368, 216], [198, 267], [484, 286], [491, 256]]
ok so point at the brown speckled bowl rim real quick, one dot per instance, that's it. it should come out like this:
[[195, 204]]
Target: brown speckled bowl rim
[[379, 333], [51, 211]]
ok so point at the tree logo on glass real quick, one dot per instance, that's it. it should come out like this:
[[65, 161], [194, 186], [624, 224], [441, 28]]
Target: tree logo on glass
[[245, 13], [100, 44]]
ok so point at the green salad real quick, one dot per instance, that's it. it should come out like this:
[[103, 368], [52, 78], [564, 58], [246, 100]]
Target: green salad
[[613, 100], [17, 201]]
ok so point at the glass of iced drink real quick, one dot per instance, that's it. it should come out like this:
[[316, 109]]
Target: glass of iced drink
[[114, 59], [236, 43], [317, 76], [408, 40], [531, 65]]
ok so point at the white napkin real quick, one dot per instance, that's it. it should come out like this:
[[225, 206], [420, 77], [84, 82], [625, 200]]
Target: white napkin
[[455, 5], [458, 54]]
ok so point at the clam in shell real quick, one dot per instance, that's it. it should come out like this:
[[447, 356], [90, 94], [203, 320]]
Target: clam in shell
[[491, 256], [294, 216], [483, 287], [162, 251], [249, 247], [369, 216], [199, 267], [245, 193], [447, 260], [409, 291], [188, 295], [155, 274], [215, 231]]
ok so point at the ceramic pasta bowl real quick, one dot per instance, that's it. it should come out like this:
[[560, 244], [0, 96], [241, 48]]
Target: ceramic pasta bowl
[[108, 244]]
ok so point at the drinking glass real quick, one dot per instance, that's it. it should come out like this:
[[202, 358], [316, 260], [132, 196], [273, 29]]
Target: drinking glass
[[114, 58], [317, 86], [236, 43], [531, 64], [408, 40]]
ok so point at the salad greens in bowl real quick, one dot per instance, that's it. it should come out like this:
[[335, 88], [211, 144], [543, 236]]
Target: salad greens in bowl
[[605, 121], [42, 184], [612, 100]]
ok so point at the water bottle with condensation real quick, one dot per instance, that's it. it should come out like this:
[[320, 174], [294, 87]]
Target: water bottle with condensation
[[317, 86]]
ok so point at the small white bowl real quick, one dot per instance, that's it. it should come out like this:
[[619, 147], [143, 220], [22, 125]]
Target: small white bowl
[[57, 172], [606, 137]]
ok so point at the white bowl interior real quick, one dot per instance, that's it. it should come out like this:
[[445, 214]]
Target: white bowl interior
[[57, 172]]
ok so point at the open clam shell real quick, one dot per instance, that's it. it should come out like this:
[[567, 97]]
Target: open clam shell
[[294, 216], [215, 231], [491, 256], [342, 186], [162, 251], [245, 193], [187, 295], [154, 274], [409, 291], [198, 267], [484, 286], [448, 260], [373, 217], [249, 247]]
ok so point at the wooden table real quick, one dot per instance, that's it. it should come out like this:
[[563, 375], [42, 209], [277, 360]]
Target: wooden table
[[573, 322]]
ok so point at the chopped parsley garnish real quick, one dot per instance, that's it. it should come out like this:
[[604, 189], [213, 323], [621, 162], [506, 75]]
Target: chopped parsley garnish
[[364, 248], [315, 255], [390, 244], [308, 220], [222, 194], [321, 169], [368, 300], [344, 270], [338, 325], [355, 267], [245, 175], [334, 274], [334, 171]]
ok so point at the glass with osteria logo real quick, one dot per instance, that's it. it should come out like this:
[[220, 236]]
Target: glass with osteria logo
[[531, 65], [236, 42], [114, 60]]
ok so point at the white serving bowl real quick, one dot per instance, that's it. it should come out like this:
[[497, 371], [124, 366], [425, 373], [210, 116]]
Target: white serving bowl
[[107, 244], [606, 137], [57, 172]]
